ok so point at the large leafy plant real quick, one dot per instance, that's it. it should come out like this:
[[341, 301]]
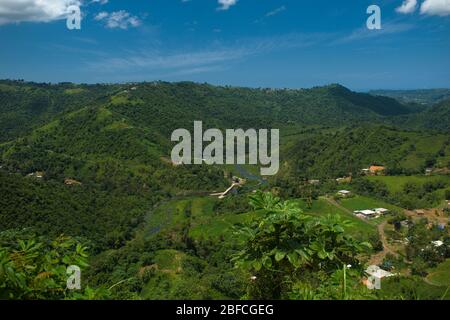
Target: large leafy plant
[[36, 268], [286, 247]]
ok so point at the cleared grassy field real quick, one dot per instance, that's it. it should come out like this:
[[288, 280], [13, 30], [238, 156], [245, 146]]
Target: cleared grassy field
[[211, 226], [414, 288], [441, 274], [396, 183], [321, 207], [363, 203], [198, 214], [205, 224]]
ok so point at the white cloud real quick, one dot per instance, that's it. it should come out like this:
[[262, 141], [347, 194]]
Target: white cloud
[[157, 61], [276, 11], [363, 33], [408, 6], [101, 15], [435, 7], [226, 4], [16, 11], [217, 57], [118, 19]]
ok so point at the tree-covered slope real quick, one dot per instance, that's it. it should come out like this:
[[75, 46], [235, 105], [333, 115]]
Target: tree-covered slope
[[348, 150], [25, 105], [105, 219], [97, 146], [436, 117], [164, 107], [167, 106]]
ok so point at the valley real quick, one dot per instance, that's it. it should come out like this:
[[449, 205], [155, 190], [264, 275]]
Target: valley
[[92, 164]]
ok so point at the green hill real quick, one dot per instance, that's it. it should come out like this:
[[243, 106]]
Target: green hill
[[436, 117], [348, 150], [164, 107], [26, 105]]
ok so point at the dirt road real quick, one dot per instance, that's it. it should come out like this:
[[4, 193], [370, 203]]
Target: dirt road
[[378, 258]]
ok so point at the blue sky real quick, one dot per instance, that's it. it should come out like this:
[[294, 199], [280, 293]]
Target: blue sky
[[256, 43]]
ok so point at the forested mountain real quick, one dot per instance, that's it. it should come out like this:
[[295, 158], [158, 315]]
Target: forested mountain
[[178, 105], [165, 106]]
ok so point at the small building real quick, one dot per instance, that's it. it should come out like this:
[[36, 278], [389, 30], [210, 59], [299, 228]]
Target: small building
[[381, 210], [314, 182], [366, 213], [344, 180], [72, 182], [428, 171], [376, 169], [373, 170], [37, 174], [375, 275], [371, 213], [344, 193]]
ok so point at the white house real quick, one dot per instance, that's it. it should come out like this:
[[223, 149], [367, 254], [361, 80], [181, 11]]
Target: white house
[[375, 274], [344, 193], [366, 213], [381, 210]]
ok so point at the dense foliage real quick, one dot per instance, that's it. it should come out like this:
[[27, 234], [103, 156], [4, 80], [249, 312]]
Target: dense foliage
[[287, 249], [347, 151], [37, 268]]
